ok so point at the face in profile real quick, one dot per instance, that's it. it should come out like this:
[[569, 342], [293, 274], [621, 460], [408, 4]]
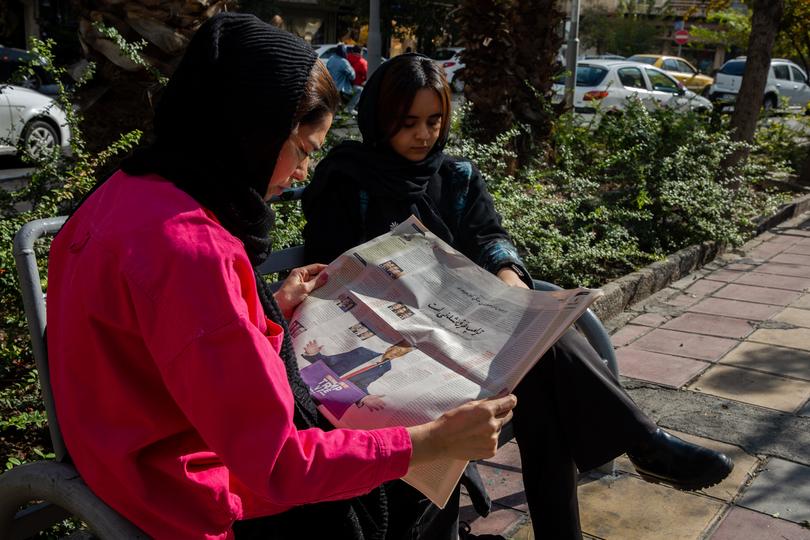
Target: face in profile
[[421, 128], [293, 159]]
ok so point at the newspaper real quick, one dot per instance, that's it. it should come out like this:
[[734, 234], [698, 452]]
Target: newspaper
[[408, 328]]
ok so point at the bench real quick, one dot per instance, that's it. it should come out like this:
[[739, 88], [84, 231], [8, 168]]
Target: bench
[[55, 487]]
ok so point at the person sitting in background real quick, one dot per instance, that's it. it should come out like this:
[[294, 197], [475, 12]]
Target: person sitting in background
[[343, 74], [573, 413]]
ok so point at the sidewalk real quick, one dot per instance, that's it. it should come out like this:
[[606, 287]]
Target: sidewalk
[[721, 357]]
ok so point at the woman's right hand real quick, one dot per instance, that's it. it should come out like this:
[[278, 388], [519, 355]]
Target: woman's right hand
[[468, 432]]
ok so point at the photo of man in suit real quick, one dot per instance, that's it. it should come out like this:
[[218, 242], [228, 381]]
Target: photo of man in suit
[[347, 366]]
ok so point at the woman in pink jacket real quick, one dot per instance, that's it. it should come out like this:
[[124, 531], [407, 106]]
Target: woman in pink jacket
[[173, 373]]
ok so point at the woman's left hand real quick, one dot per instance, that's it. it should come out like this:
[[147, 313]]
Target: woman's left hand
[[510, 277], [298, 285]]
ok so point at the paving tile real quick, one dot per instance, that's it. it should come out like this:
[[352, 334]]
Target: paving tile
[[772, 359], [712, 325], [741, 523], [802, 303], [663, 369], [735, 308], [628, 334], [723, 275], [784, 269], [744, 267], [504, 485], [797, 317], [791, 283], [763, 389], [500, 520], [726, 490], [783, 238], [765, 251], [782, 488], [629, 508], [801, 249], [508, 455], [683, 299], [704, 287], [762, 295], [792, 258], [685, 281], [685, 344], [797, 338], [650, 319]]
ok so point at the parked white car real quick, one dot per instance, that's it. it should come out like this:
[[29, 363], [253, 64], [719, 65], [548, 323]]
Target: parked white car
[[606, 85], [450, 59], [32, 122], [786, 80]]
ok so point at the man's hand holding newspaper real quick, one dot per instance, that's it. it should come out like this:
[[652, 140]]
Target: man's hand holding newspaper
[[407, 329]]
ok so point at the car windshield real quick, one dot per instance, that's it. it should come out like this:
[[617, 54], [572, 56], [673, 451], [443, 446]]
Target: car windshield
[[587, 75], [735, 67], [444, 54], [643, 59]]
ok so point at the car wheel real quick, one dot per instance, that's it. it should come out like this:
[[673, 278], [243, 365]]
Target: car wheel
[[39, 139], [770, 103]]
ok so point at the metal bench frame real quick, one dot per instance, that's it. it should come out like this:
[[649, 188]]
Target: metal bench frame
[[56, 487]]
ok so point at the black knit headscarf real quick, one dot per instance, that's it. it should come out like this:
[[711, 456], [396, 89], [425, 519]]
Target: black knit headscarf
[[218, 131]]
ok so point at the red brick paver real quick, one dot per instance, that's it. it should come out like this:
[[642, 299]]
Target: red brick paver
[[762, 295], [734, 308], [685, 344], [712, 325], [664, 369]]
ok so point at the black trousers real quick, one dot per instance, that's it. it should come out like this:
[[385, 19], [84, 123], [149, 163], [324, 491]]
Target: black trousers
[[572, 415]]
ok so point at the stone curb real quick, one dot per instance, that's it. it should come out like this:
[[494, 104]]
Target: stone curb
[[636, 286]]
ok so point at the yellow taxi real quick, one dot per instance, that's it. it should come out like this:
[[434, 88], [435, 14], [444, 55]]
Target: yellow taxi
[[678, 68]]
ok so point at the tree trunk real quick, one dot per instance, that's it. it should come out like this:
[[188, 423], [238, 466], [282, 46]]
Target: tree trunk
[[509, 66], [765, 20], [120, 96], [804, 173]]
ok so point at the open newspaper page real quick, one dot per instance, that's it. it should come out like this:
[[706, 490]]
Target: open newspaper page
[[408, 328]]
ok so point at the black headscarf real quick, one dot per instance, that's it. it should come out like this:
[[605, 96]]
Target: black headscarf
[[398, 185], [218, 131]]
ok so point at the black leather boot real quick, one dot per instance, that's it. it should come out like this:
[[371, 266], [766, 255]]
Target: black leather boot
[[666, 459]]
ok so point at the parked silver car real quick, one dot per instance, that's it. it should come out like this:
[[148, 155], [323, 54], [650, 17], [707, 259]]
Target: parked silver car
[[31, 122], [786, 81], [450, 60], [607, 85]]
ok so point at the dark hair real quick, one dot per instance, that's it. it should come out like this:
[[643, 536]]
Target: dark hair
[[320, 96], [404, 78]]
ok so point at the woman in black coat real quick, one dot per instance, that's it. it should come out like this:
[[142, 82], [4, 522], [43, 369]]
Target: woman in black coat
[[572, 414]]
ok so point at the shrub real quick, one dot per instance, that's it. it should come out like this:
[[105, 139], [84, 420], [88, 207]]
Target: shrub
[[57, 183], [624, 191]]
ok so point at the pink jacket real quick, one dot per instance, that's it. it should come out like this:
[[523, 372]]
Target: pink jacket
[[169, 389]]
